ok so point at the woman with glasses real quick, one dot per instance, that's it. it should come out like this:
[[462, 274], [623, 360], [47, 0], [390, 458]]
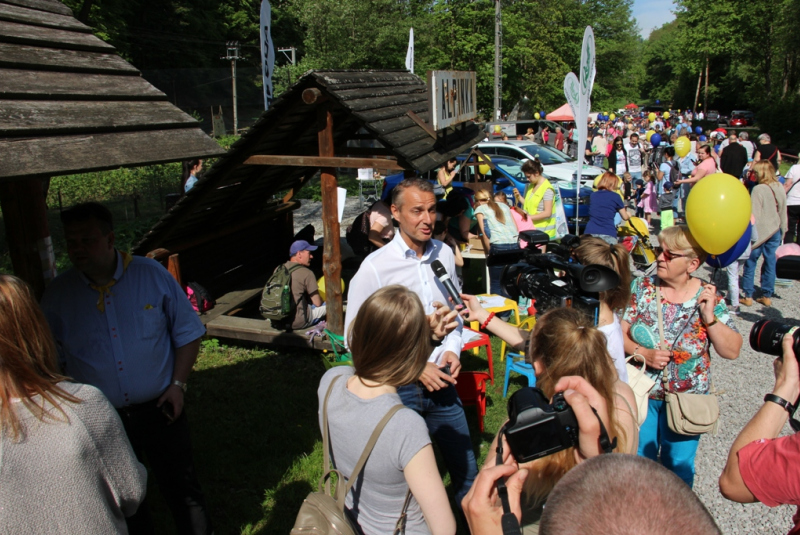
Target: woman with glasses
[[503, 233], [706, 166], [693, 319], [618, 158]]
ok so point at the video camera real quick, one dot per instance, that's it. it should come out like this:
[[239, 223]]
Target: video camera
[[766, 336], [553, 278]]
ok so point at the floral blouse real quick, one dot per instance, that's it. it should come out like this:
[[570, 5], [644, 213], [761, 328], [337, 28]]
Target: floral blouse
[[684, 331]]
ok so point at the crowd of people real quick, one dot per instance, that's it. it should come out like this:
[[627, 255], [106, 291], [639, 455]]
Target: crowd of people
[[93, 378]]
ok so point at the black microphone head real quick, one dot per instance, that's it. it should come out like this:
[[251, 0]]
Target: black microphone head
[[438, 269]]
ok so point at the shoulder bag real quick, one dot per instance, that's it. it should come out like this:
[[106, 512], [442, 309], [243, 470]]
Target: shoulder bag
[[323, 513], [641, 385], [687, 414]]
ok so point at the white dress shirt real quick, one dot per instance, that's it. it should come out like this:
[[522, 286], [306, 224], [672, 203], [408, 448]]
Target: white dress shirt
[[396, 263]]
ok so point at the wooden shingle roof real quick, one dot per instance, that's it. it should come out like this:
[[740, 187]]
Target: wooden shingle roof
[[70, 104], [232, 193]]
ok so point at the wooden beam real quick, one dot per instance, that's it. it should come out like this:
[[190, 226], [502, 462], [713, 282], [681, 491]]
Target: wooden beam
[[14, 32], [312, 95], [323, 161], [425, 126], [20, 56], [332, 255], [174, 268], [27, 232], [364, 152], [47, 85]]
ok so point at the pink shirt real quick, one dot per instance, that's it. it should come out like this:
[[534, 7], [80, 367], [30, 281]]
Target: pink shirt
[[706, 167], [771, 471], [522, 224]]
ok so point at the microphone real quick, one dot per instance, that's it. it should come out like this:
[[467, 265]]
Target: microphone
[[444, 278]]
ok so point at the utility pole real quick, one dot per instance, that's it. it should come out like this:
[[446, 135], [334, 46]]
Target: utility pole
[[233, 55], [498, 64], [292, 58]]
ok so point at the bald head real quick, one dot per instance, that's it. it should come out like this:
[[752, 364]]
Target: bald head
[[624, 495]]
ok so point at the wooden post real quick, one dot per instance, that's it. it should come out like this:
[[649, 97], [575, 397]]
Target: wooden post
[[27, 232], [332, 255]]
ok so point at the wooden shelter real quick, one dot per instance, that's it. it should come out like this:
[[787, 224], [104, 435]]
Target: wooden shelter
[[69, 104], [231, 230]]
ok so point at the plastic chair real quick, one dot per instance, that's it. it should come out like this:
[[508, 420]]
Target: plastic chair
[[516, 361], [341, 357], [485, 341], [471, 388]]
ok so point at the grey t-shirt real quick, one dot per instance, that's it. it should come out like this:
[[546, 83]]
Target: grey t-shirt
[[376, 499]]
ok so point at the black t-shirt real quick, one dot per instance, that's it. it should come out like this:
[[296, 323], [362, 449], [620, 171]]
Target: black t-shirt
[[769, 152]]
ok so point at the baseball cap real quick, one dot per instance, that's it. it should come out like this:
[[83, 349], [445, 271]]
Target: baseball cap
[[301, 245], [668, 185]]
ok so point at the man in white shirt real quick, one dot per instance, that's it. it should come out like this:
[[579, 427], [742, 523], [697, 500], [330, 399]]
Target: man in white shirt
[[792, 202], [406, 260], [635, 152]]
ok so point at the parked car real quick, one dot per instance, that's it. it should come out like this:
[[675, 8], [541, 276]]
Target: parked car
[[738, 120], [749, 116], [557, 165], [712, 115]]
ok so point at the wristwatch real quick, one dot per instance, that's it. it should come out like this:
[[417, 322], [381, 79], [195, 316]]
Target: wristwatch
[[180, 384]]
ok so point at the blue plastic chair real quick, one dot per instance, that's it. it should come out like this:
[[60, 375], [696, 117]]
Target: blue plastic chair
[[516, 361]]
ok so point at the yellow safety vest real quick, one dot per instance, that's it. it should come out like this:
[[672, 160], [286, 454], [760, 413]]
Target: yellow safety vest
[[532, 200]]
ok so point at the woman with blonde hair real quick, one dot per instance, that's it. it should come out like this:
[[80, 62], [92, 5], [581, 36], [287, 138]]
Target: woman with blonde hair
[[502, 232], [390, 341], [66, 464], [768, 200], [612, 302], [564, 343], [692, 319], [604, 205]]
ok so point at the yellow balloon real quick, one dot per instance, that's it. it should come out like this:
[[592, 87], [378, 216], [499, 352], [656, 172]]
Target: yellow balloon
[[484, 169], [498, 129], [612, 116], [648, 134], [666, 116], [652, 116], [717, 212], [682, 146], [537, 116], [321, 287]]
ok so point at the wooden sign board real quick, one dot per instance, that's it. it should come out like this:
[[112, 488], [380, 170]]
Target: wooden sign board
[[453, 97], [217, 123]]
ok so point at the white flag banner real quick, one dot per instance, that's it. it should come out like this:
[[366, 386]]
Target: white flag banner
[[573, 93], [410, 52], [587, 74], [267, 52]]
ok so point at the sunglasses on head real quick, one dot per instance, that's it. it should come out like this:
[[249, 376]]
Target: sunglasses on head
[[669, 256]]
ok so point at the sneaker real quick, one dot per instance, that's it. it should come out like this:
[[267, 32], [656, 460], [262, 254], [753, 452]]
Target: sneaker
[[766, 301], [733, 311], [746, 301]]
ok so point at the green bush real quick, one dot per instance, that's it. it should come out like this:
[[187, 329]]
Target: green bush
[[779, 120], [117, 183]]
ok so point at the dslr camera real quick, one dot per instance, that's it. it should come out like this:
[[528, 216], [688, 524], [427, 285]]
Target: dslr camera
[[537, 428], [553, 278], [766, 336]]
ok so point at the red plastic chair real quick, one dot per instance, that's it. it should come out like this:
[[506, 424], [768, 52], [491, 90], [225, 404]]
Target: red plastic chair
[[471, 388], [483, 340]]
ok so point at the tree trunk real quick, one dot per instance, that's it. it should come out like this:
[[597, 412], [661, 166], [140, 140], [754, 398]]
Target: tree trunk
[[705, 96]]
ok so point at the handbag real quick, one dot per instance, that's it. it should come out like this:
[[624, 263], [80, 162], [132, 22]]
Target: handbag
[[641, 385], [323, 513], [562, 225], [687, 414]]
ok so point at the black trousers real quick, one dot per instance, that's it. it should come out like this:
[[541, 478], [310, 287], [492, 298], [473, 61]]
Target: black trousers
[[168, 451], [793, 215]]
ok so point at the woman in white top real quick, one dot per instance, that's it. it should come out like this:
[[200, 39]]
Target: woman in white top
[[597, 251], [390, 341]]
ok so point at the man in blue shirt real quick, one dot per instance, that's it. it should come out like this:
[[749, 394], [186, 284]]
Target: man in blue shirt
[[123, 325]]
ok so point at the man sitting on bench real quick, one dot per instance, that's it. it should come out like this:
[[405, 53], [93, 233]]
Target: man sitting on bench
[[304, 286]]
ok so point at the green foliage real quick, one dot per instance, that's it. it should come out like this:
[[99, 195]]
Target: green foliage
[[105, 185]]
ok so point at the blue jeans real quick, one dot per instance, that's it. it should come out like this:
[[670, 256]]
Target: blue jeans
[[447, 425], [677, 451], [636, 175], [768, 249], [495, 272]]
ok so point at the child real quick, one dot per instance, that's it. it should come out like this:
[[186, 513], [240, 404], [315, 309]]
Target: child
[[637, 197], [665, 201], [521, 219], [627, 185], [649, 202]]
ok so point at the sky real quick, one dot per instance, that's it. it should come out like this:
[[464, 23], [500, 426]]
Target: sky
[[652, 14]]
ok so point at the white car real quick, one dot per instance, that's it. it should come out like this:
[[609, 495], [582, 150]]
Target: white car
[[557, 165]]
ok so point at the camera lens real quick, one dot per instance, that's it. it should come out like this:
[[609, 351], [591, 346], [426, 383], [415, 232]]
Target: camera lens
[[766, 337]]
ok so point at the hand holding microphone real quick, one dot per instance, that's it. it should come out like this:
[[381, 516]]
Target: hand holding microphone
[[444, 278]]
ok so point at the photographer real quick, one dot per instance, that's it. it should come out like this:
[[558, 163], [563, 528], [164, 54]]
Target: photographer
[[762, 467], [565, 343], [482, 506]]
